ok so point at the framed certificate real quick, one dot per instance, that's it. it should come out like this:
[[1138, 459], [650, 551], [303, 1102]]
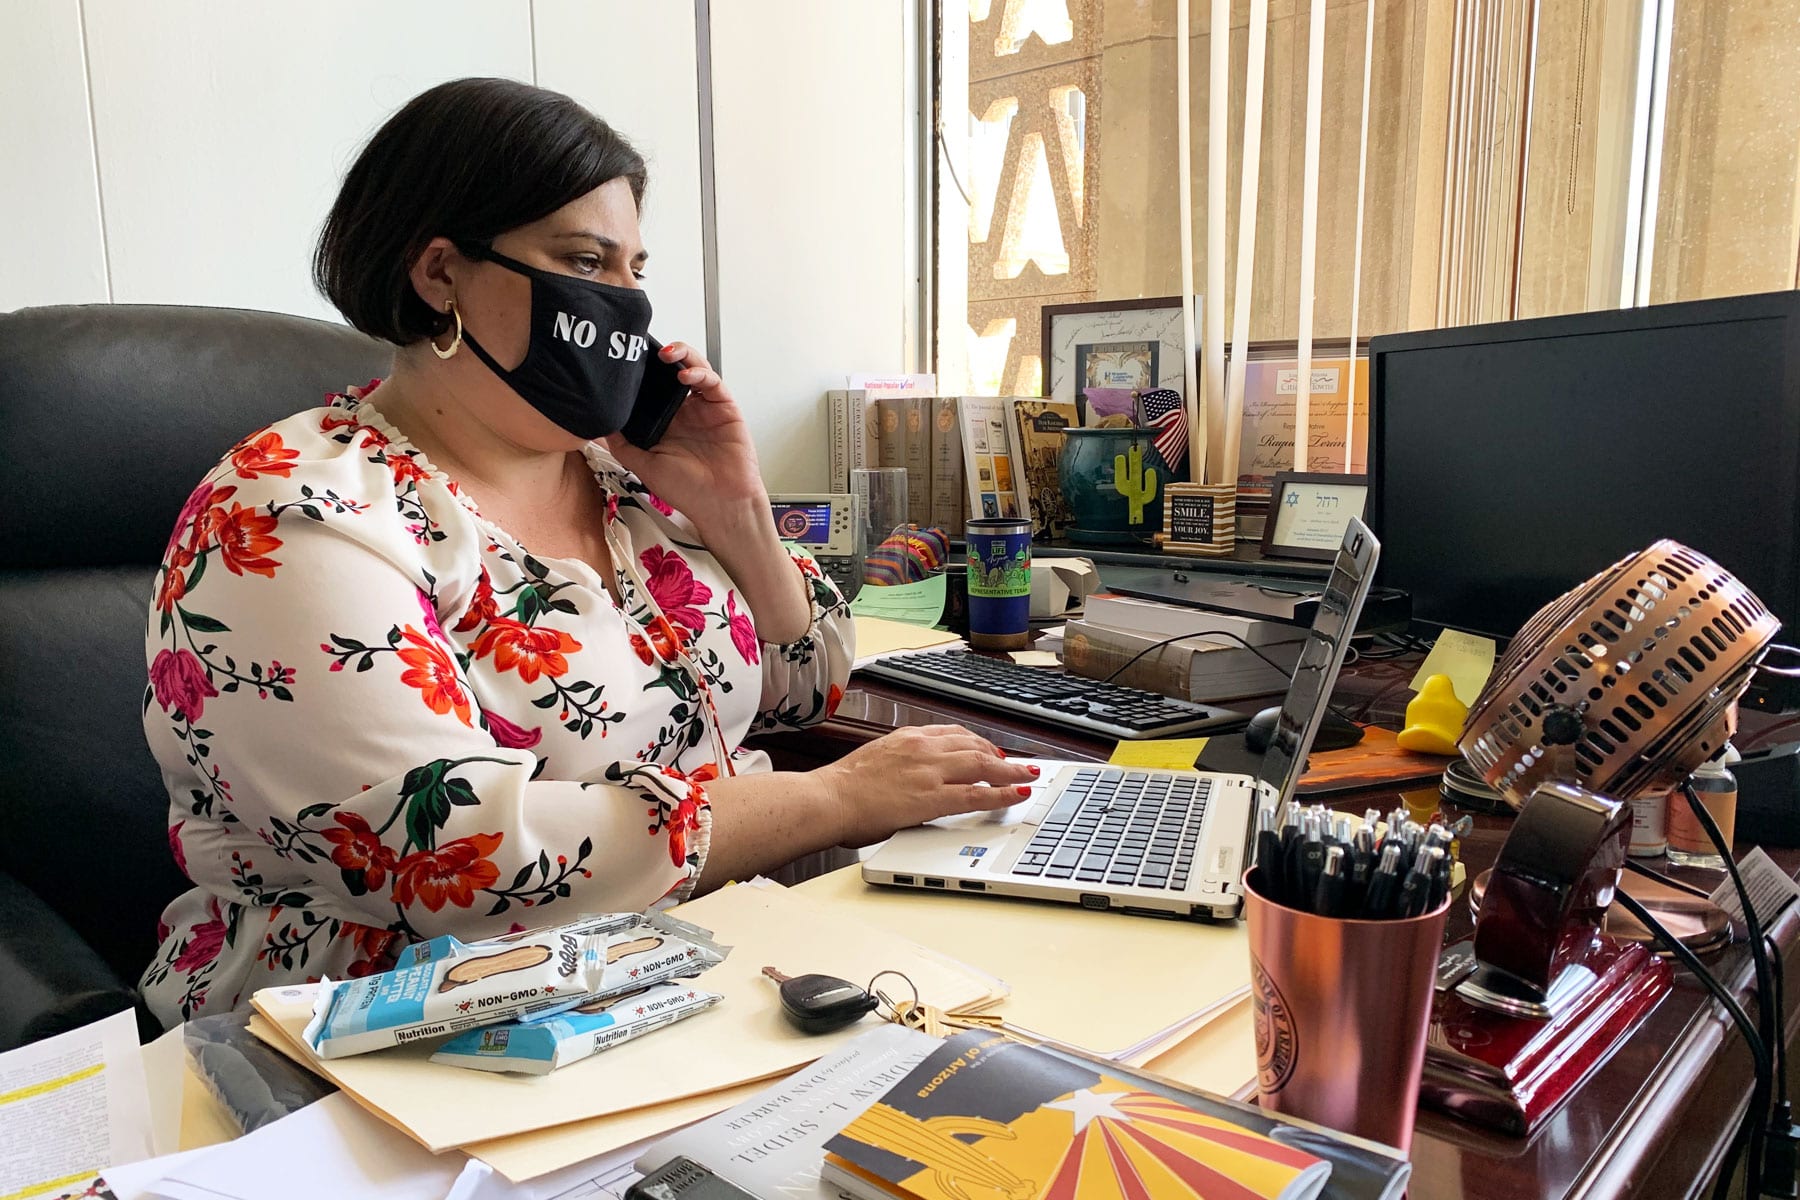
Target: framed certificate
[[1309, 513]]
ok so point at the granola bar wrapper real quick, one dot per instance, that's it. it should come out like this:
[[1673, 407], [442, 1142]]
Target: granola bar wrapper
[[543, 1045], [446, 986]]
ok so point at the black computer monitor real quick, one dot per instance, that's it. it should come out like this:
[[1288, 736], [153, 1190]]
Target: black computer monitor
[[1509, 462]]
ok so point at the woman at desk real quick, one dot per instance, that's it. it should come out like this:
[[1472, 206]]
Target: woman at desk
[[451, 656]]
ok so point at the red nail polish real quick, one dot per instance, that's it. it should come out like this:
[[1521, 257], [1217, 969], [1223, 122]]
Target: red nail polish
[[1000, 752], [1023, 791], [1035, 769]]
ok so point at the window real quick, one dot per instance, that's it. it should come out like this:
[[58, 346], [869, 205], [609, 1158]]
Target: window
[[1525, 158]]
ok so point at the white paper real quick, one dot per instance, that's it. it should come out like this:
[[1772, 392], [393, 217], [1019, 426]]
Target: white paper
[[1060, 586], [138, 1180], [329, 1149], [70, 1106], [605, 1177], [1771, 888], [892, 385]]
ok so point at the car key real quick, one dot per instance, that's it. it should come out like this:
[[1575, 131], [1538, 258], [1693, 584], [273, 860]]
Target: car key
[[821, 1003]]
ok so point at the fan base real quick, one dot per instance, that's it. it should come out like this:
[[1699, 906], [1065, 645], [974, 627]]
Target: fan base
[[1512, 1072]]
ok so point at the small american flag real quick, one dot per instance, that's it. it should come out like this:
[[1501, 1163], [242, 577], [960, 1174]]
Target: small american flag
[[1167, 415]]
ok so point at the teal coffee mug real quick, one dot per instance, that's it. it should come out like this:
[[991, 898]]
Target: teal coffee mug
[[999, 582]]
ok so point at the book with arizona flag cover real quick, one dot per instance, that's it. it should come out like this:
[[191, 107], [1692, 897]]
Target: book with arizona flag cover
[[989, 1118]]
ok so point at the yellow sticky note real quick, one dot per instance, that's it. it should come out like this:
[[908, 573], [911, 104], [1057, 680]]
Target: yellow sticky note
[[1175, 753], [1035, 658], [1466, 658]]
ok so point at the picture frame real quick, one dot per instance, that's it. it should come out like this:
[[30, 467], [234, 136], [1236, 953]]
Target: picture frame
[[1115, 347], [1199, 519], [1308, 512], [1266, 439]]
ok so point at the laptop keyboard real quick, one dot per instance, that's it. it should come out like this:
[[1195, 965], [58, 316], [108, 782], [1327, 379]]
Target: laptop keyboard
[[1120, 827]]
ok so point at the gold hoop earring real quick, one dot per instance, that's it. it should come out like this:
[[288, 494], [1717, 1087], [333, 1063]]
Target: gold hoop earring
[[456, 342]]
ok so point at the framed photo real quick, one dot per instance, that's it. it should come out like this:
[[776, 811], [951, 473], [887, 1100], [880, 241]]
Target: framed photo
[[1308, 514], [1271, 391], [1097, 354]]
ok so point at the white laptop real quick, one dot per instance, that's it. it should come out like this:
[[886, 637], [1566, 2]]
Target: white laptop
[[1165, 843]]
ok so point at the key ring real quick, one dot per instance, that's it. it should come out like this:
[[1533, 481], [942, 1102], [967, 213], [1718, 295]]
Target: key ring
[[895, 1012]]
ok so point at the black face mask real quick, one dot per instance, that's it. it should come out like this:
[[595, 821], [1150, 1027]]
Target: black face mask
[[591, 365]]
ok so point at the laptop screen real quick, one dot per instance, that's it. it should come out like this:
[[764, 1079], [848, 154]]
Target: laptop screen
[[1321, 658]]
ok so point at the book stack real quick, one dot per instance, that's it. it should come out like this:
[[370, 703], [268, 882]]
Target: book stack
[[899, 1115], [904, 441], [1188, 653], [922, 434], [964, 456]]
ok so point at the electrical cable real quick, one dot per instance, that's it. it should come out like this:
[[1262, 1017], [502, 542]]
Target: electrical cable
[[1792, 672], [1781, 1158], [937, 132], [1133, 660], [1765, 990], [1781, 1085], [1155, 646], [1759, 1055], [1632, 864]]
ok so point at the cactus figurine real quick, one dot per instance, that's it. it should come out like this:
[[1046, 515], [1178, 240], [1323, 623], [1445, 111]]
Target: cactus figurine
[[1132, 481]]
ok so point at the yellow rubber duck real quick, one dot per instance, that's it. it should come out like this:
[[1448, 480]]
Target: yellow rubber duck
[[1434, 718]]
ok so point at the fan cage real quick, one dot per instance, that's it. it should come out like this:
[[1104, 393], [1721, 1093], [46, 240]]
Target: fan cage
[[1650, 653]]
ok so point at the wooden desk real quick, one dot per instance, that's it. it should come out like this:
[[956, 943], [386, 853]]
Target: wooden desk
[[1655, 1120]]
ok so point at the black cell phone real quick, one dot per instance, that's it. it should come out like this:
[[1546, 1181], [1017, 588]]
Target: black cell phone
[[659, 397]]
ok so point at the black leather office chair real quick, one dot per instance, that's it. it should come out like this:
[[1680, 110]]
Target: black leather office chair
[[109, 415]]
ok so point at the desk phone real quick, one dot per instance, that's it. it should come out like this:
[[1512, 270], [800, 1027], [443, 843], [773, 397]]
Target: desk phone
[[826, 524]]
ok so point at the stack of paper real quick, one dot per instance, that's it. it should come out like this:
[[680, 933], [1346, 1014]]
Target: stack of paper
[[334, 1148], [654, 1084], [878, 638], [71, 1105], [331, 1148]]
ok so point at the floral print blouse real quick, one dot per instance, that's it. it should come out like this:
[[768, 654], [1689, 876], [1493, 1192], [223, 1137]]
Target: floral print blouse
[[381, 718]]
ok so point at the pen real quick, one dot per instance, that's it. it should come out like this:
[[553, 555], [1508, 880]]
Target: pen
[[1293, 841], [1362, 862], [1440, 879], [1415, 890], [1328, 901], [1382, 885], [1268, 855], [1312, 858]]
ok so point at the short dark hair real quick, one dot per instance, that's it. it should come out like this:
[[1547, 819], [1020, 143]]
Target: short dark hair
[[467, 160]]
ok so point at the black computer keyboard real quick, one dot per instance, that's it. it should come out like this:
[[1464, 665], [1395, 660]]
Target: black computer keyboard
[[1051, 696], [1120, 827]]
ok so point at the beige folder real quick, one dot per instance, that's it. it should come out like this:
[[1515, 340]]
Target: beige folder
[[1122, 986], [743, 1039]]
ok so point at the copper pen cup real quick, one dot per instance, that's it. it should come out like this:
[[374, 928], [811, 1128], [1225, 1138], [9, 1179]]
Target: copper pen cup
[[1341, 1010]]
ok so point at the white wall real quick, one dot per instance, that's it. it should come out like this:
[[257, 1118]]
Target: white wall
[[633, 63], [224, 127], [218, 131], [50, 235], [810, 114]]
